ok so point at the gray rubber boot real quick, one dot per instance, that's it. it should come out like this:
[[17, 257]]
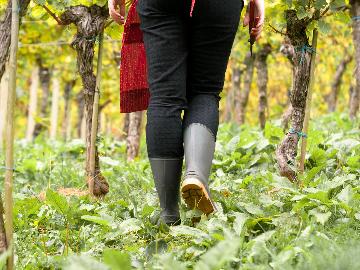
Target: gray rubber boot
[[167, 175], [199, 146]]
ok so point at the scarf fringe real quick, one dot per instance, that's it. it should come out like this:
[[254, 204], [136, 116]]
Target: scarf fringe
[[134, 100]]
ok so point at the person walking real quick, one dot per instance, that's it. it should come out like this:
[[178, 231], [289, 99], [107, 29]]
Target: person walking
[[187, 45]]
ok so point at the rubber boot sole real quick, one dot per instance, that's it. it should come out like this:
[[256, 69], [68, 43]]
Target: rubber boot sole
[[196, 196]]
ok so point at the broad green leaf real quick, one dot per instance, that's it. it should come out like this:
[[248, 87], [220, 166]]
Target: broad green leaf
[[97, 220], [320, 217], [188, 231], [319, 4], [117, 260], [346, 195], [83, 262], [251, 208], [129, 226], [353, 162], [324, 27], [40, 2], [302, 13], [335, 4], [58, 202], [239, 222], [285, 258], [168, 262], [266, 236], [217, 256], [156, 247]]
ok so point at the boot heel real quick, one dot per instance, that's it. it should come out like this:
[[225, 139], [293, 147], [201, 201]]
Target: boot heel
[[196, 196]]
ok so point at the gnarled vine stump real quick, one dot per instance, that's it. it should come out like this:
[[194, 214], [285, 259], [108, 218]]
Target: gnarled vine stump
[[89, 22], [287, 150]]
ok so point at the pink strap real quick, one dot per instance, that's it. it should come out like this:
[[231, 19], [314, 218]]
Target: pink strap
[[192, 7]]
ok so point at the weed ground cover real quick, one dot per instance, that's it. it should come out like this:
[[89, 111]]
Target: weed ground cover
[[263, 221]]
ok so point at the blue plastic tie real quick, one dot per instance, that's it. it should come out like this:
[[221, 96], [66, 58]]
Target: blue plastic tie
[[356, 18], [96, 39], [304, 49], [299, 133]]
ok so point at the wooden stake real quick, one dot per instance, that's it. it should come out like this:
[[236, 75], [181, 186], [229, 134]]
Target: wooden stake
[[308, 101], [9, 140], [95, 112]]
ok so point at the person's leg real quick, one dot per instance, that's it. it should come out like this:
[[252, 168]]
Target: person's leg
[[165, 41], [212, 32]]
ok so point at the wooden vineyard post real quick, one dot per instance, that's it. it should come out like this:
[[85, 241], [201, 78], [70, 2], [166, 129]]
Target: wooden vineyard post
[[9, 139], [308, 101], [95, 112]]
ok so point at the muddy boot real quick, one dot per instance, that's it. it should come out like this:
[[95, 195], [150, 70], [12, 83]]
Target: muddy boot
[[199, 145], [167, 175]]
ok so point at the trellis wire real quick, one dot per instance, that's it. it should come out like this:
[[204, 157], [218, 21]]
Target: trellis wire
[[58, 43]]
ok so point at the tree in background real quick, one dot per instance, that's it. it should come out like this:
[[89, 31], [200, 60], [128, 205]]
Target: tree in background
[[125, 128], [45, 73], [243, 97], [262, 80], [32, 108], [54, 116], [233, 90], [66, 124], [236, 77], [81, 114], [134, 135], [355, 97], [332, 97]]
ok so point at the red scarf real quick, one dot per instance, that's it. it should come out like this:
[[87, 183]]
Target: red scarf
[[134, 88]]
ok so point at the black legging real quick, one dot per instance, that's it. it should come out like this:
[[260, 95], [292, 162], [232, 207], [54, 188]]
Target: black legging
[[187, 59]]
